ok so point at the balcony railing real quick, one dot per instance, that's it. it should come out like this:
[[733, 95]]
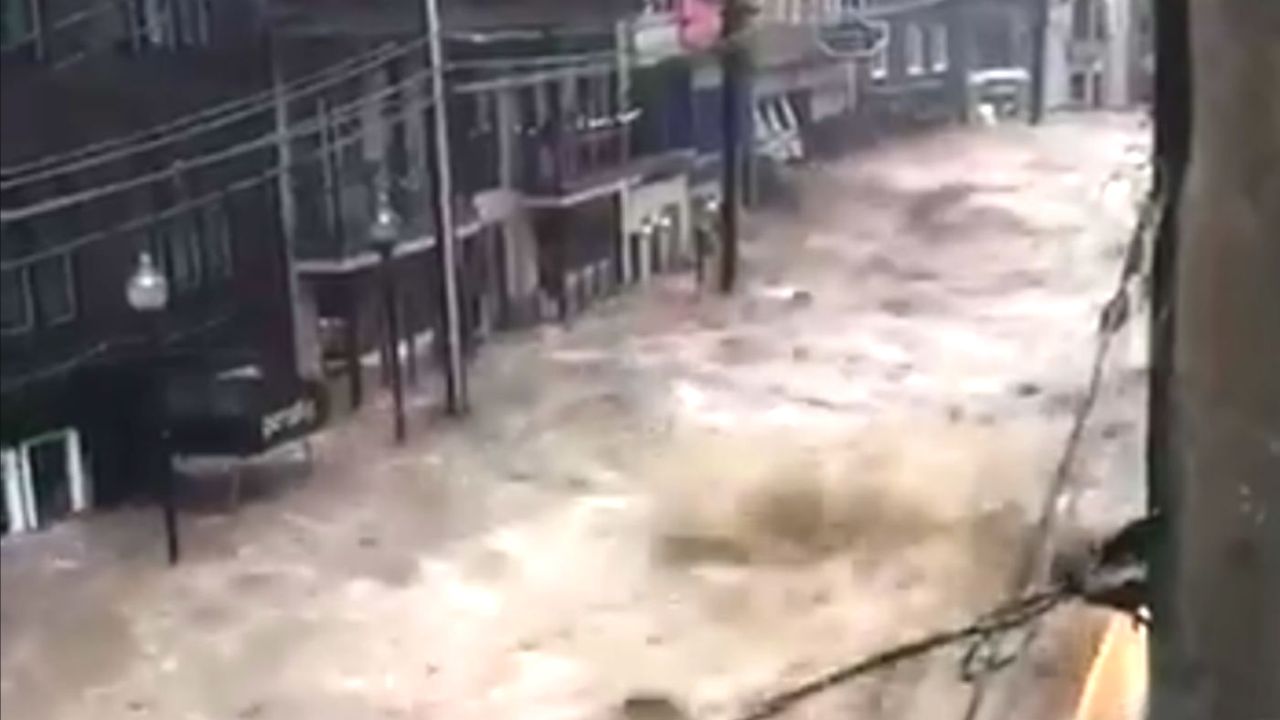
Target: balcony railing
[[335, 213], [567, 159]]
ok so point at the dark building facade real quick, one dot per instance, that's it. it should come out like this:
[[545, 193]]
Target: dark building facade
[[88, 184]]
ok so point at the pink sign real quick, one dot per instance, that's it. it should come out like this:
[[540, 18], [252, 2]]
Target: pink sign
[[699, 23]]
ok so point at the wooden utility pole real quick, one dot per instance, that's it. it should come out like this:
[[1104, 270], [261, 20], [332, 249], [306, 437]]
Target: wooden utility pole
[[733, 19], [1216, 579], [455, 362], [1039, 42]]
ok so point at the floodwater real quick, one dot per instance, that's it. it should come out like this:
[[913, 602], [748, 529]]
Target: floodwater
[[677, 495]]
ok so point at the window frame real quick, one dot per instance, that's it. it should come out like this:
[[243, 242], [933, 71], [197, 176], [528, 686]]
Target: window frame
[[22, 276], [219, 255], [913, 49], [939, 48], [879, 60], [46, 319]]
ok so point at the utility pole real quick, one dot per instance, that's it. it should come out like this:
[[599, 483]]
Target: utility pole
[[1039, 42], [1216, 633], [455, 364], [733, 18]]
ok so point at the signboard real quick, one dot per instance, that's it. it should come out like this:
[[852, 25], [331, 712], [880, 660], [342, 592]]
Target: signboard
[[239, 416], [853, 37], [700, 24]]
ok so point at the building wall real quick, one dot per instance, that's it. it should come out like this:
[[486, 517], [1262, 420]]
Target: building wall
[[903, 88], [1104, 53], [223, 254]]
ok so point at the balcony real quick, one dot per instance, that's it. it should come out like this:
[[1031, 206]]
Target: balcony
[[566, 161], [335, 211]]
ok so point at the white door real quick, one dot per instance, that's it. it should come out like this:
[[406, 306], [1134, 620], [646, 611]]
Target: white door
[[44, 480]]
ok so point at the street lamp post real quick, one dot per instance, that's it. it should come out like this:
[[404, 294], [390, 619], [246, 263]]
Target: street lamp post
[[647, 264], [384, 233], [666, 243], [148, 294]]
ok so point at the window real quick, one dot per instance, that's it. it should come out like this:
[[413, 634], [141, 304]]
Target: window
[[1089, 20], [177, 247], [175, 23], [40, 293], [484, 107], [217, 241], [1079, 87], [939, 53], [54, 289], [16, 313], [195, 250], [880, 59], [832, 10], [914, 42], [15, 23]]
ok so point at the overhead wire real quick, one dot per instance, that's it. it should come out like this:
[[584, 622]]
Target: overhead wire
[[9, 384], [337, 115], [1112, 319], [62, 202], [39, 169], [265, 105], [572, 63], [266, 99], [223, 115], [174, 124], [1011, 616], [62, 23]]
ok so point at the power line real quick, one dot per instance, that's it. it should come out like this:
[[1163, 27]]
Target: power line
[[145, 221], [1114, 315], [265, 140], [103, 145], [1011, 616], [63, 23], [63, 202], [378, 55], [99, 349], [237, 115], [254, 104]]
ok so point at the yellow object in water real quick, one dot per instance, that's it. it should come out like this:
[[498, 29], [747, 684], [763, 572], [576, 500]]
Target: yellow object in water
[[1116, 688]]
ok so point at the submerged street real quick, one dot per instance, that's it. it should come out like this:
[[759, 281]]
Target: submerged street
[[677, 494]]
